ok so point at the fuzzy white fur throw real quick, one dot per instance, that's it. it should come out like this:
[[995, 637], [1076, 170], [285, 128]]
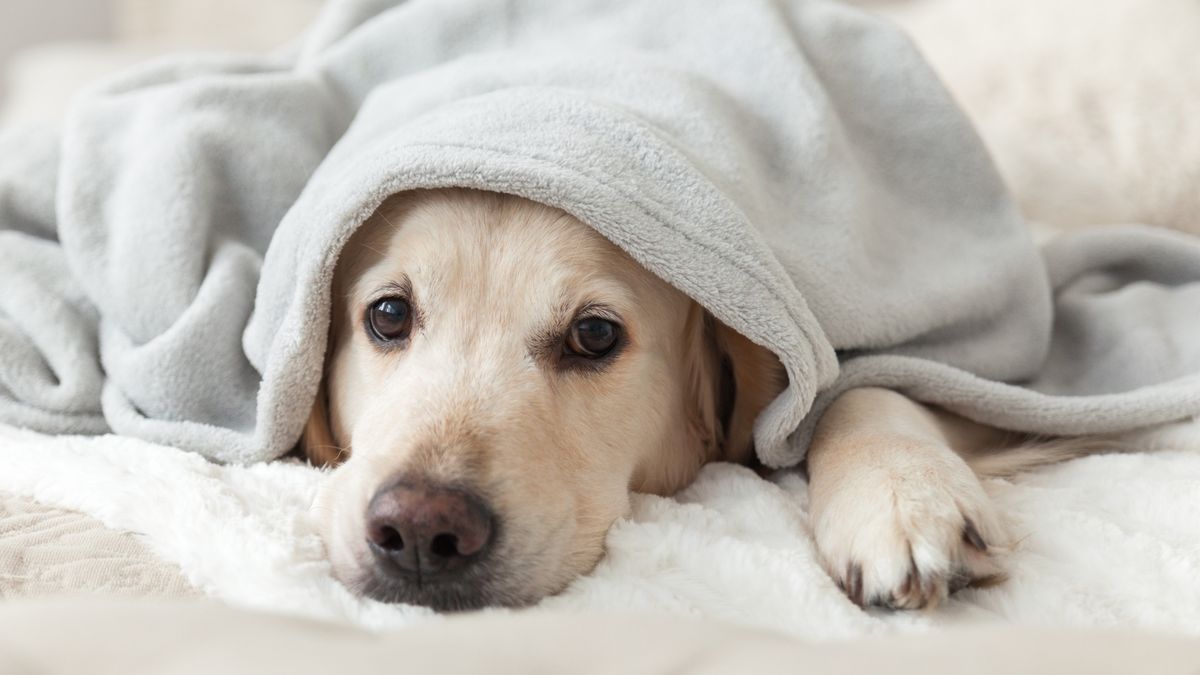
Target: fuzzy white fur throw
[[1106, 540]]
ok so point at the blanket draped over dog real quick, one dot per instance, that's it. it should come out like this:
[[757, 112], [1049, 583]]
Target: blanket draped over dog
[[792, 165]]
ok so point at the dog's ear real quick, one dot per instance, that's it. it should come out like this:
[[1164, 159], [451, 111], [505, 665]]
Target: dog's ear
[[731, 381], [751, 377], [704, 384], [317, 443]]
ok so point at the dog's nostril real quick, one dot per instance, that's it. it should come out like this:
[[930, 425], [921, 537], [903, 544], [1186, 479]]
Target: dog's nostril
[[390, 539], [444, 545], [426, 529]]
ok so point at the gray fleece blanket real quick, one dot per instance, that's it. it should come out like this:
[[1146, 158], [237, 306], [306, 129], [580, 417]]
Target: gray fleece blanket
[[792, 165]]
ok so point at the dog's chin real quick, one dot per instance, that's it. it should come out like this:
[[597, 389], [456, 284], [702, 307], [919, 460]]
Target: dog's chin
[[441, 596], [478, 589]]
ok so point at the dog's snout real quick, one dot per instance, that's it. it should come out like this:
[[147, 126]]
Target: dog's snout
[[428, 531]]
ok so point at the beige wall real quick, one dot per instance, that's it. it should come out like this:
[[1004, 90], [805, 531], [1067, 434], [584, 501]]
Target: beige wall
[[239, 24], [76, 41], [28, 22]]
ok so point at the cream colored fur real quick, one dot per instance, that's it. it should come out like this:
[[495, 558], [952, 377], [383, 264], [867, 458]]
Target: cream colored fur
[[900, 518], [474, 399]]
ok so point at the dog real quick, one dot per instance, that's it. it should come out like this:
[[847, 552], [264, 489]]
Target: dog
[[500, 378]]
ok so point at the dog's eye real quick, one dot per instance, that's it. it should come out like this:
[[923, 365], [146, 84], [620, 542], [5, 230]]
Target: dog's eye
[[390, 319], [592, 338]]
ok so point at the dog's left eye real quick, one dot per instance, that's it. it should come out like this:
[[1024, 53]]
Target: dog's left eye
[[390, 319], [592, 338]]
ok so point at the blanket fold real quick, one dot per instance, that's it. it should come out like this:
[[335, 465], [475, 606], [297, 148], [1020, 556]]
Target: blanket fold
[[793, 165]]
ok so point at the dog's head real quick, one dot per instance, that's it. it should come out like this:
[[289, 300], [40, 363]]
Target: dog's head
[[499, 379]]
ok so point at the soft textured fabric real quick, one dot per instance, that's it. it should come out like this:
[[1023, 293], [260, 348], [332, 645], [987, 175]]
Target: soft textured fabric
[[792, 165], [1106, 541], [46, 551], [185, 638]]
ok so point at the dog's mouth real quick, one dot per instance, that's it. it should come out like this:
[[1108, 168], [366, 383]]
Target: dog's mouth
[[475, 588], [480, 582], [441, 596]]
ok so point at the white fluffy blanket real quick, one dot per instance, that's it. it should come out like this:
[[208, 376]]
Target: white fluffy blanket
[[1106, 540]]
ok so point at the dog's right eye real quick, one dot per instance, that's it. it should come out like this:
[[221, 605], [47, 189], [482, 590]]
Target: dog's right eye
[[592, 338], [390, 319]]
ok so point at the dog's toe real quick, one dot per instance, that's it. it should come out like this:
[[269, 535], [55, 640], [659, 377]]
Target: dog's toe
[[909, 544], [924, 588]]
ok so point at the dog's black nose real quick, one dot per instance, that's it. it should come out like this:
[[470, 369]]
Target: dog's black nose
[[427, 531]]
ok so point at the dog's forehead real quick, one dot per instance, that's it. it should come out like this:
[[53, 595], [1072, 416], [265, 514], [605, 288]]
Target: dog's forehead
[[484, 248]]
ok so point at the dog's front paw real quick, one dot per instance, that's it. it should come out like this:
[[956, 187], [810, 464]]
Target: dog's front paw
[[905, 536]]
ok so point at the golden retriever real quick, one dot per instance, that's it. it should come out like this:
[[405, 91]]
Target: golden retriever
[[500, 378]]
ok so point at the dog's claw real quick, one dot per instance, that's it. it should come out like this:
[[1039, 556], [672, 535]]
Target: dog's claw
[[926, 588], [971, 536], [854, 584]]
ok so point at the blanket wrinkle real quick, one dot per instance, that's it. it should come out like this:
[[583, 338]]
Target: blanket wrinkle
[[793, 165]]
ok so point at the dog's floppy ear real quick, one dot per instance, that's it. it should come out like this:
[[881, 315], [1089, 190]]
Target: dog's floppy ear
[[751, 377], [317, 443], [732, 380]]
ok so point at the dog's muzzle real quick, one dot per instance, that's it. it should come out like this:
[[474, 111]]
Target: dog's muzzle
[[429, 545]]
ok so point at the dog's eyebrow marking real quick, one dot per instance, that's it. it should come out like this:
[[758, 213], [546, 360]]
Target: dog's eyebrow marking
[[544, 340], [598, 310], [402, 288]]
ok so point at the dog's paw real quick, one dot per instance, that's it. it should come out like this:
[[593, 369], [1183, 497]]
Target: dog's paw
[[908, 535]]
